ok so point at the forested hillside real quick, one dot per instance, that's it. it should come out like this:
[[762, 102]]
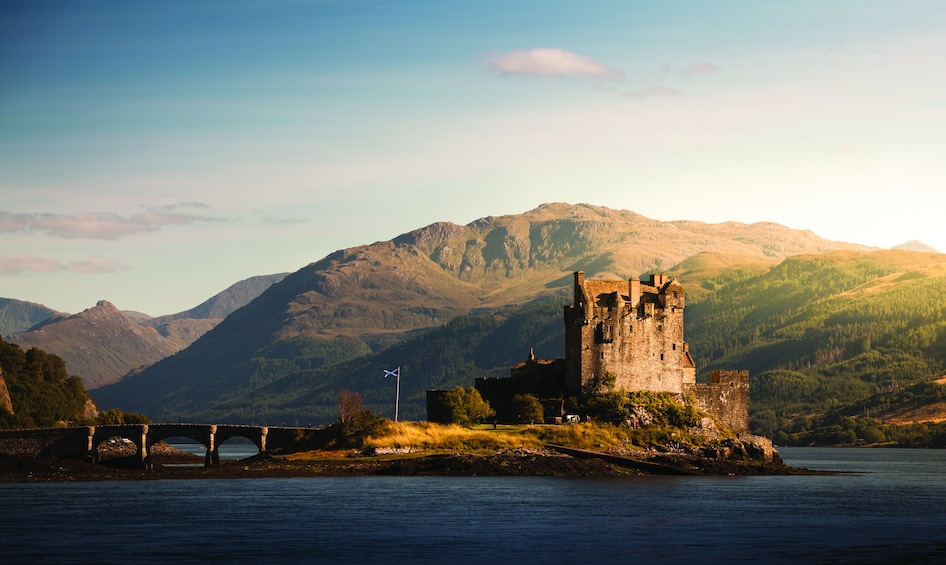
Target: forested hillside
[[41, 392], [822, 335], [827, 335], [451, 355]]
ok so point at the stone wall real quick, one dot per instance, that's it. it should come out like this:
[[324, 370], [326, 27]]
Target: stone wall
[[631, 330], [51, 442], [726, 397]]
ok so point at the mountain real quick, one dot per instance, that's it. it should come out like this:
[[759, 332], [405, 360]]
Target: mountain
[[915, 246], [225, 302], [17, 315], [364, 299], [825, 337], [100, 344], [103, 344]]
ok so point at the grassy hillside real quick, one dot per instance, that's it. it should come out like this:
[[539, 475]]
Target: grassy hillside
[[451, 355], [364, 299], [821, 335]]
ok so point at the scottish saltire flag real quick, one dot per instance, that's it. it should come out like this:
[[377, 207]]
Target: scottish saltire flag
[[394, 373]]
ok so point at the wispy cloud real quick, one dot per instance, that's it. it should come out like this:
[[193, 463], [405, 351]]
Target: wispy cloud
[[19, 264], [651, 91], [284, 221], [99, 225], [95, 265], [11, 265], [547, 62], [178, 205], [700, 68]]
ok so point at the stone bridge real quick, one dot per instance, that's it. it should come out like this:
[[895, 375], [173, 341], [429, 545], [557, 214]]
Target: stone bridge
[[83, 442]]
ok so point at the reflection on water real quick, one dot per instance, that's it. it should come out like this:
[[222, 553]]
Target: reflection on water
[[232, 449], [892, 509]]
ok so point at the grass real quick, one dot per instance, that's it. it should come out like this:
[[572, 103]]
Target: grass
[[426, 435], [484, 438]]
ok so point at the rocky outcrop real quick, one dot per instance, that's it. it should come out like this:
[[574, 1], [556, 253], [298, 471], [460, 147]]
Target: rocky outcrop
[[746, 448], [6, 403]]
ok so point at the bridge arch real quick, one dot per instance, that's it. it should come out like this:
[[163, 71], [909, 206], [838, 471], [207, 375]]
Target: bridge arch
[[201, 433], [137, 434]]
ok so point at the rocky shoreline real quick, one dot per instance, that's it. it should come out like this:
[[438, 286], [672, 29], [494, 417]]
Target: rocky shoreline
[[560, 462]]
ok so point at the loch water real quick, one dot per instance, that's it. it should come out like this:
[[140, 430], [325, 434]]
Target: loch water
[[888, 507]]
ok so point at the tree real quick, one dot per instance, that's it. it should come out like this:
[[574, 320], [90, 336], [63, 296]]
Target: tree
[[465, 406], [527, 408], [117, 417], [350, 406]]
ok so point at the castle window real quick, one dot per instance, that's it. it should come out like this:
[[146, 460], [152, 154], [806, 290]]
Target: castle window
[[674, 346], [603, 333], [602, 354], [661, 356]]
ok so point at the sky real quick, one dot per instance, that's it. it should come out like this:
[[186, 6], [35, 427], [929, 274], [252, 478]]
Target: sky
[[154, 153]]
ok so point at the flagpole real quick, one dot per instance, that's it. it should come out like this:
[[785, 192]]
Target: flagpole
[[396, 373]]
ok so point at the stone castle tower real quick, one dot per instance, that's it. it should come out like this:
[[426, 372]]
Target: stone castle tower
[[629, 330], [623, 335]]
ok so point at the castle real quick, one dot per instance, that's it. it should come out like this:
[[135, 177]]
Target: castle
[[623, 335]]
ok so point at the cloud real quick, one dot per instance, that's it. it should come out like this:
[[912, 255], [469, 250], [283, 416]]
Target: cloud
[[284, 221], [548, 62], [700, 68], [95, 265], [12, 265], [99, 225], [19, 264], [178, 206], [652, 91], [13, 222]]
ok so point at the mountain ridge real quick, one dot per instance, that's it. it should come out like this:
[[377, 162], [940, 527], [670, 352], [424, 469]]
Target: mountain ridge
[[102, 344], [358, 300]]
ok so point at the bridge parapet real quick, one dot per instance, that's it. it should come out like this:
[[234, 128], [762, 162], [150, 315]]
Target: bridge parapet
[[47, 442], [83, 442]]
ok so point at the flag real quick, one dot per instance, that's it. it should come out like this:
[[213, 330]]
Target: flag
[[394, 373]]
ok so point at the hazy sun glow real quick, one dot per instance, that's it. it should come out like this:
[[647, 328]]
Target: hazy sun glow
[[152, 155]]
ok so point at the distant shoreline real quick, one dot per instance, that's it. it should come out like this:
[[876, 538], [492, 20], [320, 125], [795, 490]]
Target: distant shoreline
[[503, 463]]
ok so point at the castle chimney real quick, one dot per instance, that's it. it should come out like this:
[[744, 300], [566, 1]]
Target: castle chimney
[[579, 287], [658, 279], [634, 292]]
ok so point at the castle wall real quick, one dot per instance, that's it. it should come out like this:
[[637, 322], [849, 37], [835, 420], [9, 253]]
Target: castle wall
[[542, 378], [726, 397]]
